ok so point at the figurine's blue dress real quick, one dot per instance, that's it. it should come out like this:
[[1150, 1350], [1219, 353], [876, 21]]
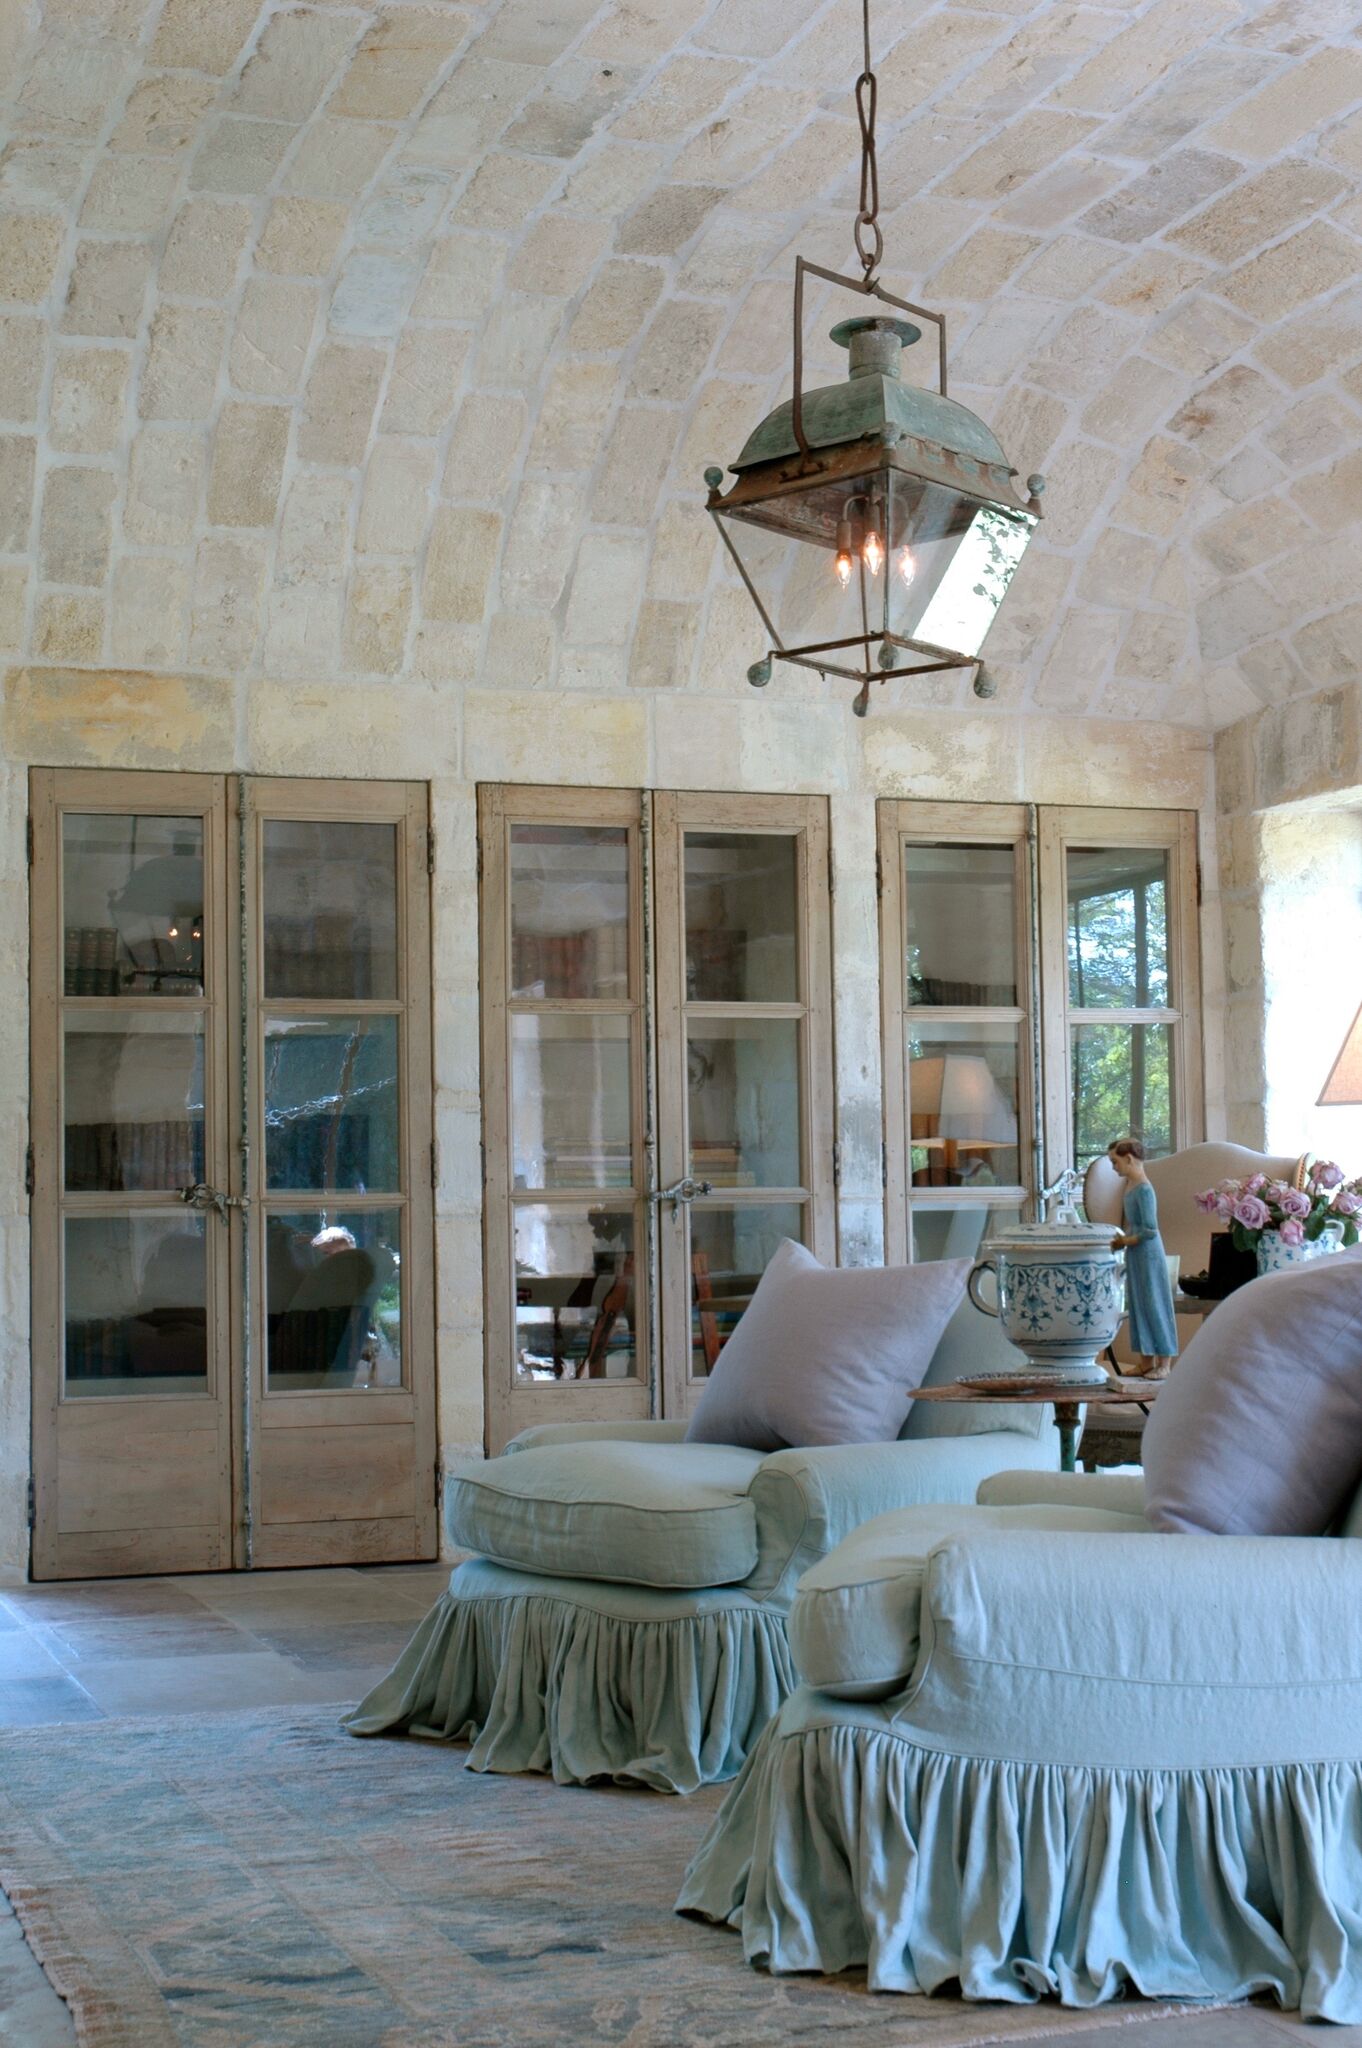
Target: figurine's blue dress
[[1149, 1298]]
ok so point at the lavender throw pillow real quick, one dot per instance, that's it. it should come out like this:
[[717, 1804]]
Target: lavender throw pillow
[[1259, 1430], [827, 1355]]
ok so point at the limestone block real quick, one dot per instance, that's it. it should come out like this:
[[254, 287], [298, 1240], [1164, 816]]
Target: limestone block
[[557, 255], [1139, 397], [1070, 187], [17, 455], [520, 652], [1139, 55], [1321, 576], [30, 246], [599, 671], [1311, 431], [516, 340], [1077, 664], [114, 718], [239, 155], [723, 260], [203, 253], [1159, 487], [1117, 568], [684, 548], [619, 300], [70, 86], [733, 637], [907, 752], [573, 417], [1235, 615], [1296, 101], [203, 35], [670, 364], [1015, 153], [1198, 335], [1269, 671], [130, 195], [179, 377], [982, 266], [163, 113], [89, 391], [1035, 599], [1258, 211], [994, 351], [1298, 747], [537, 35], [405, 208], [1252, 534], [13, 594], [1028, 423], [1176, 185], [338, 159], [1333, 497], [1218, 417], [743, 156], [317, 726], [148, 611], [540, 543], [460, 560], [1303, 267], [165, 481], [314, 531], [1302, 350], [636, 460], [1248, 474], [301, 237], [302, 630], [271, 337], [1153, 648], [376, 618], [547, 738], [462, 278], [1081, 478], [664, 645], [249, 445], [682, 93], [606, 584], [1103, 761], [426, 374], [1330, 650], [292, 64], [504, 190], [471, 110], [1151, 282], [662, 223], [395, 506], [484, 448], [373, 292], [398, 61], [581, 96], [643, 31], [229, 576], [338, 404], [74, 530], [68, 628], [445, 654], [1187, 98], [39, 172], [23, 352]]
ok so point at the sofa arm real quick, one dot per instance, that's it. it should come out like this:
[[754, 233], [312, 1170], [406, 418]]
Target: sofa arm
[[808, 1500], [640, 1432], [1122, 1493]]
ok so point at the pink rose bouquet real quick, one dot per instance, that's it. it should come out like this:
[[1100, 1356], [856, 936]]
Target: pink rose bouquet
[[1302, 1215]]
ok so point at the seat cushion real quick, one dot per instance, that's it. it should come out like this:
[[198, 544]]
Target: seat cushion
[[641, 1514], [854, 1627]]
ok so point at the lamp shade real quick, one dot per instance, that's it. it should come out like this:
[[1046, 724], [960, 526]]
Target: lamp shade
[[957, 1097], [1344, 1084]]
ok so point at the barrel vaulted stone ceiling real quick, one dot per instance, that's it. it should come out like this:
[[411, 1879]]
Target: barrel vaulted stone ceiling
[[392, 340]]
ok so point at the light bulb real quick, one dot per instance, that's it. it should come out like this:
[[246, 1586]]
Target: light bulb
[[842, 564], [174, 932], [907, 564], [872, 549]]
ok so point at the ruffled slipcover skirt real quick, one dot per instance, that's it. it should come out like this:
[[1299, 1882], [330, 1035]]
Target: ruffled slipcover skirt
[[587, 1680], [844, 1844]]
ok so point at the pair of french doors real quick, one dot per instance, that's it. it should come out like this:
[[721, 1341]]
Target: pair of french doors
[[231, 1173], [657, 1065]]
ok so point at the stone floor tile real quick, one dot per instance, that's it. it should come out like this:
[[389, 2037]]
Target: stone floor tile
[[257, 1598], [92, 1639], [336, 1645], [60, 1599], [34, 1702], [205, 1685], [31, 2014], [23, 1654]]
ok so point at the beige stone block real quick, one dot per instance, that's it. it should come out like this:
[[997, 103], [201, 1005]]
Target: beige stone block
[[1119, 567], [1258, 211], [30, 248], [272, 335], [376, 618], [732, 639], [179, 377], [1079, 482], [1139, 397], [115, 717], [398, 61], [1078, 663], [445, 654], [1154, 647], [685, 91], [462, 277], [1035, 599], [148, 611], [1303, 350], [1303, 267], [42, 173], [1172, 187], [249, 445], [1252, 534], [504, 191], [540, 543], [662, 223], [606, 585], [1219, 416], [1151, 282], [1067, 268], [314, 531], [551, 737], [1070, 186], [717, 428], [203, 254], [484, 449], [322, 727], [1082, 356], [642, 32], [664, 644], [338, 159], [729, 251], [130, 195], [637, 459], [557, 255], [982, 266], [460, 564], [1138, 56], [759, 332], [229, 578], [163, 113], [1198, 335], [993, 352], [301, 237], [427, 371], [1014, 154], [17, 456], [302, 630], [574, 417], [68, 628], [23, 351], [1096, 761], [1236, 615], [396, 502], [1321, 576], [1328, 649], [89, 392], [1332, 498], [471, 109], [203, 35], [1159, 488], [338, 405], [70, 86], [165, 483], [74, 529], [684, 547], [741, 154], [670, 365], [516, 340], [520, 651], [1248, 474], [597, 671], [292, 64], [1310, 91], [1312, 431], [239, 155], [13, 596], [1269, 672], [1028, 423]]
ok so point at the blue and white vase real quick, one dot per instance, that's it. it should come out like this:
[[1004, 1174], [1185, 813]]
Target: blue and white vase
[[1061, 1295], [1276, 1257]]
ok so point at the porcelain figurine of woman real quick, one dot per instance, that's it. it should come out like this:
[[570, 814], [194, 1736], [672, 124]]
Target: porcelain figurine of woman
[[1149, 1297]]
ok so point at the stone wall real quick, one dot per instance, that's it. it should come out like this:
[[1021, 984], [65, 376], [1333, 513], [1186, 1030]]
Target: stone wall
[[455, 739]]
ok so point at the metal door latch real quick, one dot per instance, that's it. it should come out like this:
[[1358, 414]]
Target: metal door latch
[[681, 1191], [199, 1195]]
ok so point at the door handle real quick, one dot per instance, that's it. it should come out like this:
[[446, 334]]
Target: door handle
[[199, 1195], [684, 1190]]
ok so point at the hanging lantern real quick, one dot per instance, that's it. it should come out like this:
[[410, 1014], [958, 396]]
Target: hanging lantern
[[875, 525]]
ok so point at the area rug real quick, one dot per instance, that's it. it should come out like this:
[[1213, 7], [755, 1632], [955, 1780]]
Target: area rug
[[261, 1880]]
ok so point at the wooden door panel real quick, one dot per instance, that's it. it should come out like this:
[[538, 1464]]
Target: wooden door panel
[[349, 1472], [140, 1471]]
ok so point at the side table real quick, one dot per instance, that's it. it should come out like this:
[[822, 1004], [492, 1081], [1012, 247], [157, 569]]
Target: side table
[[1068, 1404]]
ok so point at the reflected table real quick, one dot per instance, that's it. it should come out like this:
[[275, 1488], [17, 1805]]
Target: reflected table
[[1070, 1398]]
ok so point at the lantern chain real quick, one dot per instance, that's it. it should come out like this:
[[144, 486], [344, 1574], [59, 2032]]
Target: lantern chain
[[869, 240]]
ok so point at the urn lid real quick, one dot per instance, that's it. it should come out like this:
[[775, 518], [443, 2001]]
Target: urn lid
[[1053, 1237]]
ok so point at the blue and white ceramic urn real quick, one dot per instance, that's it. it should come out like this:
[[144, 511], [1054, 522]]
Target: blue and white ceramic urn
[[1061, 1295]]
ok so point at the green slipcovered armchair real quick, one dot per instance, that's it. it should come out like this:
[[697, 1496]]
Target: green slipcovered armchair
[[623, 1613]]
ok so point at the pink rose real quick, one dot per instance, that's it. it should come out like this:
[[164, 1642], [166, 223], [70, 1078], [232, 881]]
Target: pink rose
[[1292, 1231], [1254, 1183], [1327, 1175], [1348, 1204], [1253, 1214], [1208, 1202], [1294, 1202]]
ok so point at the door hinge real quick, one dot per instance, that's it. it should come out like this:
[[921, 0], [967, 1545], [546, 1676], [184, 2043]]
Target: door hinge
[[32, 1502], [879, 875], [28, 1171], [1198, 882], [837, 1162], [434, 1163], [430, 850], [884, 1164], [28, 839]]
